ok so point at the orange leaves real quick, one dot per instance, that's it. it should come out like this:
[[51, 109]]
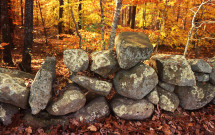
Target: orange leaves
[[2, 45]]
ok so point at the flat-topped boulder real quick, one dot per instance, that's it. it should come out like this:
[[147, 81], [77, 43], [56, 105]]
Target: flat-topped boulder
[[132, 109], [195, 97], [95, 109], [41, 89], [173, 69], [13, 90], [70, 101], [76, 59], [7, 111], [104, 62], [136, 82], [131, 48], [93, 84], [199, 65], [168, 101]]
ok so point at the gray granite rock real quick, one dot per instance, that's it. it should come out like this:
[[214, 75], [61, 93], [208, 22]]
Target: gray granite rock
[[211, 61], [104, 62], [136, 82], [153, 96], [16, 73], [93, 85], [168, 101], [7, 111], [131, 48], [13, 90], [71, 101], [41, 89], [202, 77], [97, 108], [173, 69], [195, 97], [76, 59], [199, 65], [44, 120], [132, 109], [166, 86]]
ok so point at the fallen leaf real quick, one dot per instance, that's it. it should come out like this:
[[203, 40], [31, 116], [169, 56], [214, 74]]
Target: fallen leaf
[[92, 128]]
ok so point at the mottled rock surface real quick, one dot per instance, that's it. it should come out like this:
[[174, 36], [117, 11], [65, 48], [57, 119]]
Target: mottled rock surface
[[41, 89], [71, 101], [173, 69], [195, 97], [153, 96], [202, 77], [13, 90], [211, 61], [97, 108], [7, 111], [136, 82], [43, 120], [199, 65], [76, 59], [104, 62], [166, 86], [16, 73], [93, 85], [131, 48], [132, 109], [168, 101]]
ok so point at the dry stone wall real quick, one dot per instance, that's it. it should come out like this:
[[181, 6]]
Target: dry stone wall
[[168, 81]]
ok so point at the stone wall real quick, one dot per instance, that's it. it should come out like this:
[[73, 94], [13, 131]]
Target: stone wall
[[141, 82]]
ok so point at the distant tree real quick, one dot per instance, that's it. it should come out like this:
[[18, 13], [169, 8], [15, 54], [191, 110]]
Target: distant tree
[[22, 16], [103, 25], [79, 13], [6, 35], [133, 15], [25, 65], [60, 23], [114, 24]]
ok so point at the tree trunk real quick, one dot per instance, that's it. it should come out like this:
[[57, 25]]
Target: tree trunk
[[103, 25], [129, 16], [6, 35], [114, 24], [22, 17], [79, 13], [28, 41], [60, 23], [133, 16], [144, 16]]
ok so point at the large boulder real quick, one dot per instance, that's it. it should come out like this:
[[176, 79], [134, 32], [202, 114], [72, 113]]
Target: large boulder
[[104, 62], [199, 65], [173, 69], [131, 48], [41, 89], [71, 101], [44, 120], [13, 90], [153, 96], [195, 97], [132, 109], [136, 82], [16, 73], [95, 109], [7, 111], [93, 85], [76, 59], [168, 101]]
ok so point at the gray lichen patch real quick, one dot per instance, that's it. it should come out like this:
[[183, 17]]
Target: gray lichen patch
[[153, 97], [76, 59]]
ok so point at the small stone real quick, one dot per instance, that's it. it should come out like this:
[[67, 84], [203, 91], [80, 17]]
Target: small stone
[[131, 48], [136, 82], [195, 97], [202, 77], [71, 101], [7, 111], [153, 96], [95, 109], [104, 62], [93, 85], [168, 101], [132, 109], [166, 86], [199, 65], [212, 76], [76, 59]]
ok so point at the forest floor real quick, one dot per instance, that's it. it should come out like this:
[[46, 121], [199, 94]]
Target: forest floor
[[199, 122]]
